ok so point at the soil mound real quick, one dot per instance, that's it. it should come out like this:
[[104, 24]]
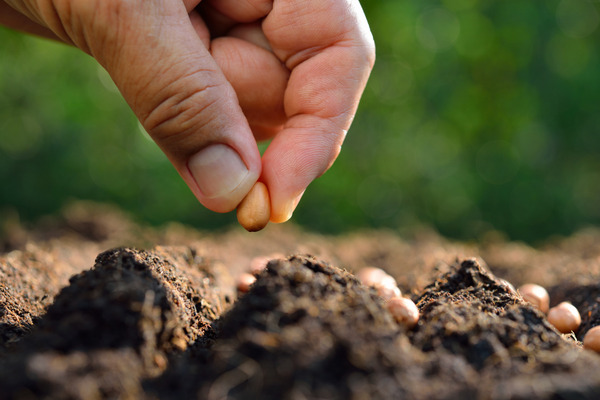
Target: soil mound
[[167, 322]]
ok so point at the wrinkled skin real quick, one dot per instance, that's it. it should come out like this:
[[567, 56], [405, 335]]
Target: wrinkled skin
[[226, 72]]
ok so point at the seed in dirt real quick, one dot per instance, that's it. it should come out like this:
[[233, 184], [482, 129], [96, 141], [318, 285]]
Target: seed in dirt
[[377, 278], [388, 292], [404, 311], [564, 317], [591, 340], [244, 282], [254, 211], [371, 276], [387, 280], [257, 264], [536, 295]]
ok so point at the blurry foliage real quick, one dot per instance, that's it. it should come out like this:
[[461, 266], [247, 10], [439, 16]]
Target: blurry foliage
[[479, 115]]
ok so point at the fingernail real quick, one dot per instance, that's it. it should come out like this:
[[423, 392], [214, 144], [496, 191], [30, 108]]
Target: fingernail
[[288, 208], [218, 170]]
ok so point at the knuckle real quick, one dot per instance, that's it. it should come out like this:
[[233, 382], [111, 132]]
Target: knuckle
[[370, 53], [78, 22], [181, 113]]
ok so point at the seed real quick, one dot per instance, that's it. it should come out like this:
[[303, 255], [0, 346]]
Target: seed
[[254, 211], [388, 292], [257, 264], [536, 295], [387, 280], [371, 276], [404, 311], [179, 343], [592, 339], [564, 317], [160, 361], [377, 278], [244, 282]]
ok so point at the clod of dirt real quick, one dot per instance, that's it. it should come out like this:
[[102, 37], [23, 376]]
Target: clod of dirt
[[305, 330], [127, 314], [470, 313], [165, 323]]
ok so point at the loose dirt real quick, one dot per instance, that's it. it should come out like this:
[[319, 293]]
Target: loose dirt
[[95, 306]]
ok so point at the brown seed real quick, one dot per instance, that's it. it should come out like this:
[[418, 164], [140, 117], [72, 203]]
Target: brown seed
[[591, 340], [160, 361], [404, 311], [244, 282], [179, 343], [387, 280], [377, 278], [257, 264], [254, 211], [536, 295], [371, 276], [388, 292], [564, 317]]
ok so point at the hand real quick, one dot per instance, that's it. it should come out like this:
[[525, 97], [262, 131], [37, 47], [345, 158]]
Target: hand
[[208, 79]]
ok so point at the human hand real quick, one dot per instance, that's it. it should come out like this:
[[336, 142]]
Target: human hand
[[208, 79]]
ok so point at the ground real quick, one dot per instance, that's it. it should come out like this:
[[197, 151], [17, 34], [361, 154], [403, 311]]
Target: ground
[[94, 306]]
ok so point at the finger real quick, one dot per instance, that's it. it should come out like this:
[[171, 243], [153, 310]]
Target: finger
[[22, 20], [223, 15], [181, 97], [242, 10], [258, 78], [329, 49]]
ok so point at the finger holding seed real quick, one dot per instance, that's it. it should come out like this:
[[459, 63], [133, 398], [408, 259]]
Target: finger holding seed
[[254, 211], [564, 317]]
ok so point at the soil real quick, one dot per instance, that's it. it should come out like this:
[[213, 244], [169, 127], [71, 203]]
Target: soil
[[93, 305]]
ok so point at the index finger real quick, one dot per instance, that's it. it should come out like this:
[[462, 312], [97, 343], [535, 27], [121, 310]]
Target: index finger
[[328, 47]]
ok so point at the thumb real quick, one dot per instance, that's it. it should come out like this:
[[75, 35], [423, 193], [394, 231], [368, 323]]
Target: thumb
[[180, 96]]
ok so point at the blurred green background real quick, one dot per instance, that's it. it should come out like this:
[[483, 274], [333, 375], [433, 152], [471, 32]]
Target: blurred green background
[[479, 115]]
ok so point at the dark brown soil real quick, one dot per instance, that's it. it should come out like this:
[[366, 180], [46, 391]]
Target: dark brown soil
[[167, 322]]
